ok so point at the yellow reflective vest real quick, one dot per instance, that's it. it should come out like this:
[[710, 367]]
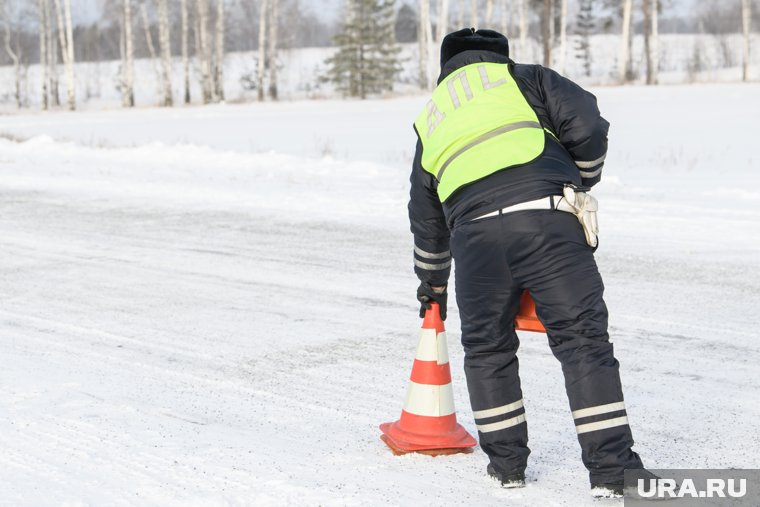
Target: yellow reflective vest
[[477, 123]]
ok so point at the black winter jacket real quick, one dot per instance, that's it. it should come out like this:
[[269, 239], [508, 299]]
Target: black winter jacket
[[562, 107]]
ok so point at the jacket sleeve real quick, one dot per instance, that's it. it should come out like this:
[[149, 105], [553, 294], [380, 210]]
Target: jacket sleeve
[[432, 258], [576, 121]]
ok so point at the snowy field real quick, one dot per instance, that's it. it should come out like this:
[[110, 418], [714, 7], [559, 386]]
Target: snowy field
[[215, 306]]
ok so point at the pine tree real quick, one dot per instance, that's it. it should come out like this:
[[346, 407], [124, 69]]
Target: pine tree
[[585, 27], [367, 58]]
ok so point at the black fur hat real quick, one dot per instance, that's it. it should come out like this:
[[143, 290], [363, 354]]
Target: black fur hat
[[469, 39]]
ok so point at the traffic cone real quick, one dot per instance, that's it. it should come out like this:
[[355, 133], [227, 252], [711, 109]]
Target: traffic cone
[[526, 319], [428, 422]]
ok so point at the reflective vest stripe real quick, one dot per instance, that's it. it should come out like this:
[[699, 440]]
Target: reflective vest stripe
[[486, 137]]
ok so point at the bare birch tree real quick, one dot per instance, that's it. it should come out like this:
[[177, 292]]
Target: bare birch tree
[[563, 37], [625, 54], [523, 26], [151, 49], [655, 41], [460, 14], [70, 77], [274, 20], [646, 9], [504, 17], [66, 35], [204, 51], [52, 52], [546, 25], [219, 60], [127, 56], [185, 50], [43, 53], [746, 16], [424, 39], [474, 13], [489, 13], [11, 53], [443, 20], [263, 13], [164, 42]]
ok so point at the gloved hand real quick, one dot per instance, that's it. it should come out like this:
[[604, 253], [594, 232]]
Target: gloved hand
[[427, 294]]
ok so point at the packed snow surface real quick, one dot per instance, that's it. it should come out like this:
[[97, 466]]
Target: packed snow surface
[[215, 306]]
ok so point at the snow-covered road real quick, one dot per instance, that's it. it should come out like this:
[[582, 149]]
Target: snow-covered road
[[200, 323]]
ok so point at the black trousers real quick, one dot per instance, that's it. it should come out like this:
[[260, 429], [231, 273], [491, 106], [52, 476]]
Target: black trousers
[[545, 252]]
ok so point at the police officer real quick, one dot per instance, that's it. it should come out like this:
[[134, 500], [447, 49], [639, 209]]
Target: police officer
[[499, 144]]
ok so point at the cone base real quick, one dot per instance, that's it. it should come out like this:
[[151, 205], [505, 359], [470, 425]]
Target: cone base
[[401, 441], [428, 452]]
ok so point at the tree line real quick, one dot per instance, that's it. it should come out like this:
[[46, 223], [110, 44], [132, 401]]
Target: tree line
[[546, 21], [200, 33]]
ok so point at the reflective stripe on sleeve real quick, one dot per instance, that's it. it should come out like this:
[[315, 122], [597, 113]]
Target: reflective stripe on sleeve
[[432, 267], [429, 255], [592, 174], [583, 164]]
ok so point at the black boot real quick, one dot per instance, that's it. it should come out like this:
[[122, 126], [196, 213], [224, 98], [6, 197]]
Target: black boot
[[607, 489], [511, 480], [615, 489]]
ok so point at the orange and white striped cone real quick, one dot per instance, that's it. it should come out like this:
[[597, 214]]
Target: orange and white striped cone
[[428, 422], [526, 319]]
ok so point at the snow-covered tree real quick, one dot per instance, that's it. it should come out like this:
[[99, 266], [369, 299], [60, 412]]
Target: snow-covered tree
[[366, 61]]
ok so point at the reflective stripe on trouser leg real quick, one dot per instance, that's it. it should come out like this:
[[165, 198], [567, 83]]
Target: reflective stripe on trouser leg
[[488, 303]]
